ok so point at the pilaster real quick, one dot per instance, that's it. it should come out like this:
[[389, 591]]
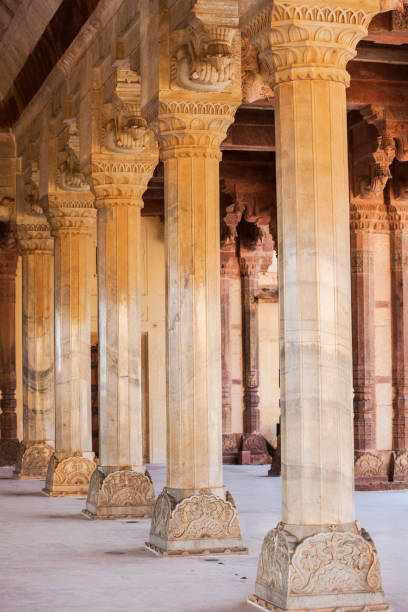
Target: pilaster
[[306, 49], [8, 418]]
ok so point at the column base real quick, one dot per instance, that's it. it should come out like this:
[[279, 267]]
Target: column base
[[8, 451], [381, 470], [69, 477], [119, 495], [199, 523], [261, 604], [32, 460], [256, 444], [312, 568]]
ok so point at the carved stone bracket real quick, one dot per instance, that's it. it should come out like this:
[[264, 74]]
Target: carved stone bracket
[[69, 477], [302, 573], [120, 494], [206, 51], [200, 524]]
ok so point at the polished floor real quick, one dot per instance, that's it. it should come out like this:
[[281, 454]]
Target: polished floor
[[52, 558]]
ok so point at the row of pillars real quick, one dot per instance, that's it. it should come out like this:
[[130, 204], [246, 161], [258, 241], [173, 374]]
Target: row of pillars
[[318, 556]]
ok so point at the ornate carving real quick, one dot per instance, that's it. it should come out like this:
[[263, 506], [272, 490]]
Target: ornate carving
[[121, 493], [302, 41], [400, 471], [35, 237], [70, 176], [372, 186], [161, 516], [335, 563], [325, 564], [127, 488], [195, 518], [70, 476], [205, 58], [367, 466], [274, 561], [31, 190], [204, 516], [33, 460]]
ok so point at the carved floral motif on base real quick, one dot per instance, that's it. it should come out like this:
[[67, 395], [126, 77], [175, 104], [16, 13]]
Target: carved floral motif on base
[[33, 460], [121, 488], [195, 518], [400, 471], [323, 564], [74, 473], [367, 466]]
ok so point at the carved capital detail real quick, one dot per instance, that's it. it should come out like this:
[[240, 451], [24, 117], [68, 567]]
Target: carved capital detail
[[69, 175], [35, 237], [70, 215], [308, 41], [190, 129]]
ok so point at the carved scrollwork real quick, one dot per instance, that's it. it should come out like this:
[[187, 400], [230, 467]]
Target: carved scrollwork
[[335, 563], [205, 58], [273, 564]]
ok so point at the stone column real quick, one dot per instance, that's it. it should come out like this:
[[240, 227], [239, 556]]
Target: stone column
[[37, 250], [190, 150], [362, 300], [196, 72], [8, 418], [121, 487], [305, 562], [230, 217], [72, 465], [399, 279]]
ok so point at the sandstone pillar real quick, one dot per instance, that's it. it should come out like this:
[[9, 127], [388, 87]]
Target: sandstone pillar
[[399, 279], [121, 487], [194, 467], [71, 213], [37, 250], [196, 101], [8, 418], [305, 563], [230, 218]]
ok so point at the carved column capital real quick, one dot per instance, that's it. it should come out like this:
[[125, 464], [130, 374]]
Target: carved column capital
[[70, 215], [309, 40], [368, 215], [35, 237], [190, 128]]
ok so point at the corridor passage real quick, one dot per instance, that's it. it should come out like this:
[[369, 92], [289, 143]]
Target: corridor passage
[[55, 559]]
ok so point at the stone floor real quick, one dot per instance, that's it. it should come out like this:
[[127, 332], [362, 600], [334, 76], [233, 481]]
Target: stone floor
[[52, 558]]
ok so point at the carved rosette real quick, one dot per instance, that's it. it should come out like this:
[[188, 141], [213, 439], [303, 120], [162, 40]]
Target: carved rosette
[[298, 574], [198, 524], [68, 477], [121, 494], [33, 460], [306, 41]]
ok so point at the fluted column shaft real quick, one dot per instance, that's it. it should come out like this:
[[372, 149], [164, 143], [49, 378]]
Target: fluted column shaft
[[399, 279], [8, 417], [119, 336], [73, 269], [362, 292], [226, 345], [38, 340], [250, 320]]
